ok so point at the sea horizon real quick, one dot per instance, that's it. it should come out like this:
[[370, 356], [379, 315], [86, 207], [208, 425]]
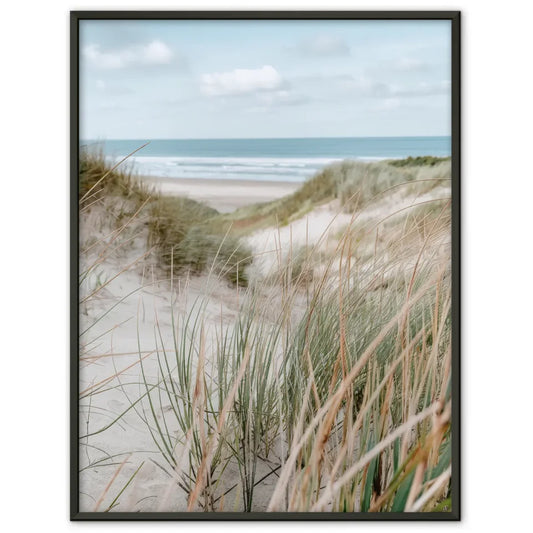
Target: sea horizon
[[262, 138], [292, 159]]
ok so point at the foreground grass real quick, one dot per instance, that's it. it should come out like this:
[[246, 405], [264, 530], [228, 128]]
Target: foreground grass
[[346, 406]]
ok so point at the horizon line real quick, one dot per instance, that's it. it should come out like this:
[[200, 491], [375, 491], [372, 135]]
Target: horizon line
[[97, 139]]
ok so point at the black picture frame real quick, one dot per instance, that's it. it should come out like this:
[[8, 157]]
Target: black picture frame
[[455, 18]]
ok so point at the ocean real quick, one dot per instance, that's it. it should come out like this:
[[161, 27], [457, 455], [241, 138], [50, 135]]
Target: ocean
[[264, 159]]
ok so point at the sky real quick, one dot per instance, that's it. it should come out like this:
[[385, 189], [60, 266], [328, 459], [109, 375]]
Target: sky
[[143, 79]]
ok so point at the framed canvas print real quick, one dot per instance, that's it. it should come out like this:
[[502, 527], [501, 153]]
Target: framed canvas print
[[265, 265]]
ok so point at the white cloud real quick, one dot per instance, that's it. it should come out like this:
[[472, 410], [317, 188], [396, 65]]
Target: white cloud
[[154, 53], [241, 81], [324, 45], [157, 52]]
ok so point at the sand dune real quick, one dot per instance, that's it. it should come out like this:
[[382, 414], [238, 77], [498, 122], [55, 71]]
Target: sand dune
[[128, 320]]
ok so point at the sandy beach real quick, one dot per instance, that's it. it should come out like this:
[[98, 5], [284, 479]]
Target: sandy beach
[[223, 195]]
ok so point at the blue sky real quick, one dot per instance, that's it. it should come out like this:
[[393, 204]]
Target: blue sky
[[246, 79]]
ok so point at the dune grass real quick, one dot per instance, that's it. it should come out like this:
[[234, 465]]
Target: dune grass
[[419, 161], [179, 229], [343, 406], [352, 183]]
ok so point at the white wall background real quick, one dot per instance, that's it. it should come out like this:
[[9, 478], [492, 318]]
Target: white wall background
[[497, 267]]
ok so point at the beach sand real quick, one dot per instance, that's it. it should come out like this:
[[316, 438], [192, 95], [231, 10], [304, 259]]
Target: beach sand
[[223, 195]]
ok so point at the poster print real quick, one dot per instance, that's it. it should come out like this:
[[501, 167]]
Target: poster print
[[265, 257]]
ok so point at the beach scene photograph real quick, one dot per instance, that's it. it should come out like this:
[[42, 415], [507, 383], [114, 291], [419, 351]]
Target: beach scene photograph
[[265, 266]]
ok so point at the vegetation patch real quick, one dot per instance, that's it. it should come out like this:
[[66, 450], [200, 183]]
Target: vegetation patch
[[353, 183], [419, 161], [180, 230]]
